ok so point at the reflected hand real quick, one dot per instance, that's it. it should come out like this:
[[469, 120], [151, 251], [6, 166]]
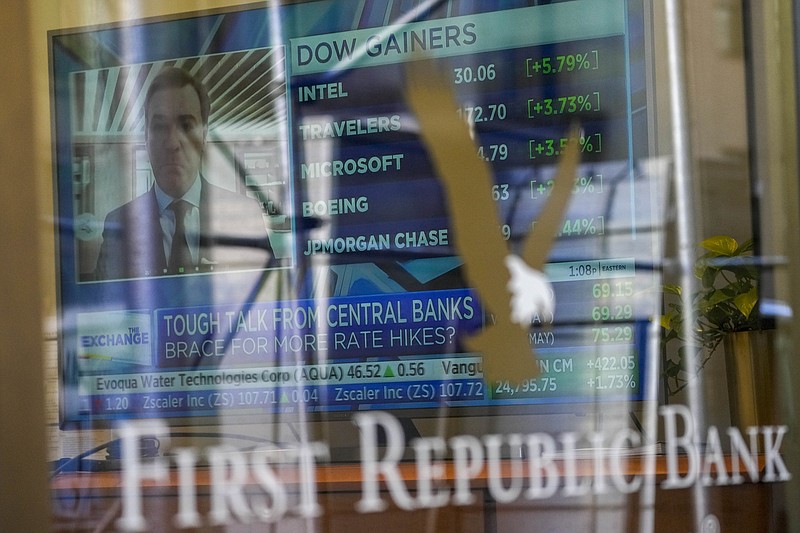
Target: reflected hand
[[531, 292]]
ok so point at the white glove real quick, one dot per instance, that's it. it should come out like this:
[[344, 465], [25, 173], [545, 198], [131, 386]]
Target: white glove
[[531, 292]]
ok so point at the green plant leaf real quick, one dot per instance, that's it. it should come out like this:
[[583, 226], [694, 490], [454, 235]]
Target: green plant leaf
[[721, 244], [672, 368], [751, 272], [673, 289], [718, 297], [709, 277], [746, 246], [746, 302], [700, 267], [675, 318], [719, 316]]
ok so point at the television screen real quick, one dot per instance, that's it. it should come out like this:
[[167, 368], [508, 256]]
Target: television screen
[[315, 265]]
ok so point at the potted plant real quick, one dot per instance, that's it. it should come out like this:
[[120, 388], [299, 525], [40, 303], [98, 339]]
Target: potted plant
[[725, 305]]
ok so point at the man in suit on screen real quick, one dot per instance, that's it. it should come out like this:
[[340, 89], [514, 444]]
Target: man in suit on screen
[[183, 224]]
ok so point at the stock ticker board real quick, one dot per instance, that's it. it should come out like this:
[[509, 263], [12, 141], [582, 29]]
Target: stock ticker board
[[374, 308]]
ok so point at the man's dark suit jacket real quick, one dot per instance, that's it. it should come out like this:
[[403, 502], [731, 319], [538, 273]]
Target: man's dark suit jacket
[[233, 236]]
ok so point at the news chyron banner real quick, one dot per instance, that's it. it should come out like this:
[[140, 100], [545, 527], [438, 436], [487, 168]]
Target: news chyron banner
[[356, 297]]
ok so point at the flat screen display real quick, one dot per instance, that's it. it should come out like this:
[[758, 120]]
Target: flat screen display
[[325, 277]]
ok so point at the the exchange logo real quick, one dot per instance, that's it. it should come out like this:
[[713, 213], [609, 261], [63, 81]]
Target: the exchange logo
[[115, 336]]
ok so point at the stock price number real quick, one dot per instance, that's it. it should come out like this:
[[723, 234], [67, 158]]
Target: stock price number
[[493, 152], [542, 384], [622, 362], [116, 403], [487, 113], [304, 395], [414, 368], [371, 370], [500, 192], [256, 397], [612, 334], [474, 74], [619, 289], [612, 312], [527, 387], [449, 389]]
